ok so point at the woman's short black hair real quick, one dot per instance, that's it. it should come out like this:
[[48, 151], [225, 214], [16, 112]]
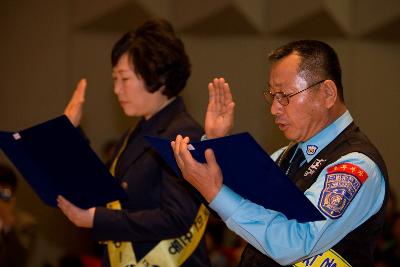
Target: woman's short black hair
[[157, 54]]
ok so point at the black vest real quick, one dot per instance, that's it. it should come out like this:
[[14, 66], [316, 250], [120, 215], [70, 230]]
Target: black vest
[[356, 247]]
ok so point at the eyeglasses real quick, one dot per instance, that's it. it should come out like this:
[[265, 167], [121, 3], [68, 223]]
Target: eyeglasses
[[283, 98]]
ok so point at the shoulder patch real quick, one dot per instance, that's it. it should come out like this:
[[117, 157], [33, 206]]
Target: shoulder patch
[[342, 183], [349, 169]]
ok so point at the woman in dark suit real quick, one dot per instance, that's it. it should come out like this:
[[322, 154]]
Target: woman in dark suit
[[150, 68]]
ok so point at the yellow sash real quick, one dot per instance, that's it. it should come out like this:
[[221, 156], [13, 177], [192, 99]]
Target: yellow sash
[[167, 253], [327, 259]]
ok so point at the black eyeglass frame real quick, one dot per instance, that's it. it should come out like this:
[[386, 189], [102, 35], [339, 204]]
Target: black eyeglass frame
[[270, 97]]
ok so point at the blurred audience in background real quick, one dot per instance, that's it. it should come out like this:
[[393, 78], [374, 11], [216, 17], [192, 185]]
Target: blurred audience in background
[[387, 252], [17, 228], [223, 246]]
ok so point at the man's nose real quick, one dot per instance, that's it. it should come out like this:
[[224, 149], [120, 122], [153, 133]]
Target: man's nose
[[276, 107]]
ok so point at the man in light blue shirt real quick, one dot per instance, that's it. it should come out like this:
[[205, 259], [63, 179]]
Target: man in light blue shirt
[[329, 159]]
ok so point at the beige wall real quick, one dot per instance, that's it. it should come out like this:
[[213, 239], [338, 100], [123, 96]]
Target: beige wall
[[44, 53], [35, 74]]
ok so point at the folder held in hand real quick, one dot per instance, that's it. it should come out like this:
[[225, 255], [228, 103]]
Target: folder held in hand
[[55, 159], [249, 171]]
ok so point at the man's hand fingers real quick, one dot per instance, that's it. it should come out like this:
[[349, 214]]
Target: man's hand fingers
[[210, 158], [184, 153], [211, 94], [175, 148], [227, 94], [217, 94]]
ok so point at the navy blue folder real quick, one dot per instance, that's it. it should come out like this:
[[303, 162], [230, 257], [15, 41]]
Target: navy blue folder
[[55, 159], [249, 171]]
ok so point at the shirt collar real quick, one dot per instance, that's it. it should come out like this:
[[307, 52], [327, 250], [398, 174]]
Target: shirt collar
[[163, 117], [315, 144]]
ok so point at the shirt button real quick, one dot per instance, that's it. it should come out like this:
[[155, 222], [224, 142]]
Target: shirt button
[[124, 185]]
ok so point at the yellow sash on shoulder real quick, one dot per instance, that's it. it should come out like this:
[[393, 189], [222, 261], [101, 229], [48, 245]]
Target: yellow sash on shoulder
[[167, 253], [329, 258]]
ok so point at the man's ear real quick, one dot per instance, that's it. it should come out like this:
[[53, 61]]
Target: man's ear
[[329, 91]]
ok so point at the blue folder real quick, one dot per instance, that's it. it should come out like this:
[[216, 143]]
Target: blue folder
[[55, 159], [249, 171]]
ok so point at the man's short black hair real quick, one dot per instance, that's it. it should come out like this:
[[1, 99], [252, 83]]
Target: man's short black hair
[[157, 54], [318, 61]]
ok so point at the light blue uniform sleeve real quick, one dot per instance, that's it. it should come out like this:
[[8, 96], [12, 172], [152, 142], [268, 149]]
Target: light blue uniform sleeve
[[287, 241]]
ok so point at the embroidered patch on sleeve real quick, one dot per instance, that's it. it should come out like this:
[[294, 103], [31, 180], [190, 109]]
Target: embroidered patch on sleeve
[[342, 183]]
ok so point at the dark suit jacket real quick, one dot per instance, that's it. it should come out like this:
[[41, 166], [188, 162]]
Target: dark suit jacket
[[160, 205]]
